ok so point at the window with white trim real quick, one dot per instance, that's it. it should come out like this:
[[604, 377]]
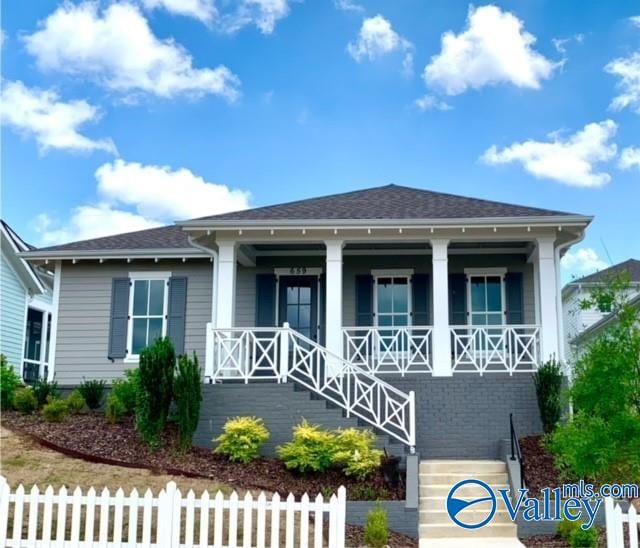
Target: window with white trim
[[148, 302]]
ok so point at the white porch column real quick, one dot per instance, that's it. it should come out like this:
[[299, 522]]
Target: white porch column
[[333, 313], [226, 284], [547, 284], [441, 340]]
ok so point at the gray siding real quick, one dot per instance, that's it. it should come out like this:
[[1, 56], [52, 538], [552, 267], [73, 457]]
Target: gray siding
[[13, 310], [84, 312], [361, 264]]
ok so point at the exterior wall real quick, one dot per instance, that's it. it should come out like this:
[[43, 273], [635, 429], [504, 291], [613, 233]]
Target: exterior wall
[[13, 310], [362, 264], [466, 416], [85, 309]]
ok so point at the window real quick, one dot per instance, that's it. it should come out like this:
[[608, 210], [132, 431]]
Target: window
[[392, 296], [486, 298], [147, 310]]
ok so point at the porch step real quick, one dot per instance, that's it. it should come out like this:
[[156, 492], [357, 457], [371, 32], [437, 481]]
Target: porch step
[[436, 527]]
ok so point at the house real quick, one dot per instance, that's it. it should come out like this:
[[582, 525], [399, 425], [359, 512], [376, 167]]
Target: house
[[583, 324], [422, 314], [26, 309]]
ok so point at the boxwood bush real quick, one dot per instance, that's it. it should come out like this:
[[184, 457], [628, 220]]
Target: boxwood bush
[[242, 438], [55, 411], [75, 402], [24, 400], [9, 383]]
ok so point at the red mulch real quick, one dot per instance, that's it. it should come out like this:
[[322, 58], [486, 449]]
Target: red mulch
[[539, 468], [91, 437]]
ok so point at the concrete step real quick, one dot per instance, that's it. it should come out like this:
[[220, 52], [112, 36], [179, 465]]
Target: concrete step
[[431, 504], [462, 466], [468, 515], [442, 490], [452, 479], [434, 531], [486, 542]]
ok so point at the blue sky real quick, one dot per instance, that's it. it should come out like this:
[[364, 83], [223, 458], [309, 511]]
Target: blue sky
[[126, 114]]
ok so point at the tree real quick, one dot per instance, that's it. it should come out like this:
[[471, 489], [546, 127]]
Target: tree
[[601, 442]]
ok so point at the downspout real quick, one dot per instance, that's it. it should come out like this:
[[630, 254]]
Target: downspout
[[209, 359], [214, 288]]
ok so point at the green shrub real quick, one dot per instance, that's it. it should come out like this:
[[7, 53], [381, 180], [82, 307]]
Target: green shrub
[[75, 402], [9, 383], [242, 438], [55, 411], [114, 409], [187, 393], [126, 390], [355, 452], [566, 527], [584, 538], [312, 449], [45, 390], [548, 381], [368, 492], [376, 530], [24, 400], [93, 392], [155, 375]]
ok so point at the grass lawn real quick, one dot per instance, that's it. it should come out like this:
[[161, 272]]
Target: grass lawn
[[22, 460]]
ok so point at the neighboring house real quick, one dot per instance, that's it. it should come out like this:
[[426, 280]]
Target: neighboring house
[[26, 309], [423, 314], [578, 321]]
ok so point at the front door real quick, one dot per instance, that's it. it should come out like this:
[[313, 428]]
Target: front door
[[298, 304]]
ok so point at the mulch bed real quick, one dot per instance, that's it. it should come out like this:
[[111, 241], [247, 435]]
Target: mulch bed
[[539, 468], [545, 541], [89, 436], [355, 537]]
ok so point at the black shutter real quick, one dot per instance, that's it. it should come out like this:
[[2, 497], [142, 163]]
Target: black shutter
[[515, 297], [364, 300], [265, 300], [420, 293], [119, 318], [457, 299], [177, 312]]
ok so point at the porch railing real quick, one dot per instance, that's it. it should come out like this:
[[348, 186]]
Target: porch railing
[[282, 354], [492, 349], [392, 350]]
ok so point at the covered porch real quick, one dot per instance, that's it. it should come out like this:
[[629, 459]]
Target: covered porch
[[439, 307]]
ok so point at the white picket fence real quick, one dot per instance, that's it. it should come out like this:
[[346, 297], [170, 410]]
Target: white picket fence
[[169, 520], [615, 520]]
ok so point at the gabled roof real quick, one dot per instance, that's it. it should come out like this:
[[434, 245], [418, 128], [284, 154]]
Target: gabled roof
[[12, 244], [632, 266], [391, 202]]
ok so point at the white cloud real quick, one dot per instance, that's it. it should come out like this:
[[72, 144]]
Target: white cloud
[[264, 14], [494, 48], [561, 43], [133, 196], [348, 5], [629, 158], [89, 221], [635, 20], [203, 10], [52, 122], [627, 69], [582, 261], [571, 161], [376, 39], [158, 192], [118, 49], [430, 102]]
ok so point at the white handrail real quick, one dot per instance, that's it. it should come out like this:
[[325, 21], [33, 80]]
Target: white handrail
[[495, 348], [389, 350], [282, 353]]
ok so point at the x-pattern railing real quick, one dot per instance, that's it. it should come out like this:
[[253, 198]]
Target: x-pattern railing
[[490, 349], [282, 354], [392, 350]]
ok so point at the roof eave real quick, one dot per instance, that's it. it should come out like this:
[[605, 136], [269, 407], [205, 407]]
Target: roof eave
[[542, 220], [175, 253]]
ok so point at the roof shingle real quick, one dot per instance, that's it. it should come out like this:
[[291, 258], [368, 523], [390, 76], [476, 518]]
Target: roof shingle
[[632, 266]]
